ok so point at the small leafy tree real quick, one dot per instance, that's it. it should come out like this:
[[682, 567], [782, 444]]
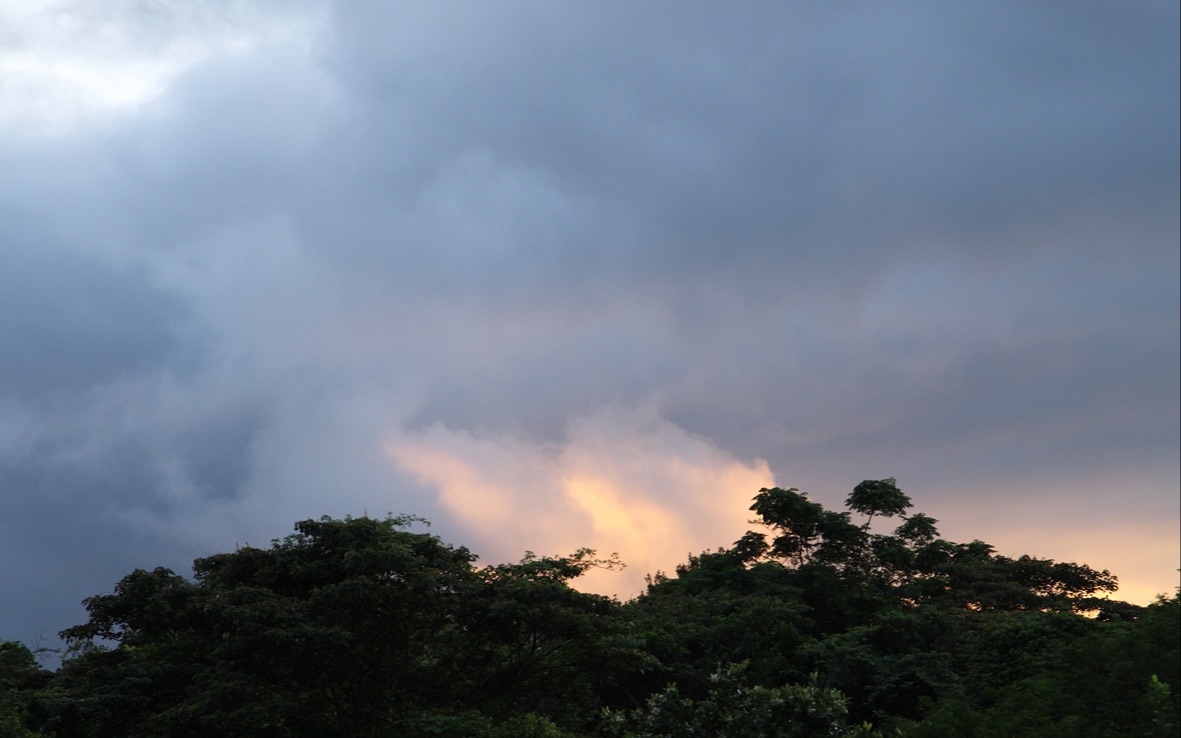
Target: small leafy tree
[[878, 497]]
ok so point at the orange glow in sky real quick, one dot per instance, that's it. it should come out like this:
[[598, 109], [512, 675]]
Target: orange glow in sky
[[625, 482]]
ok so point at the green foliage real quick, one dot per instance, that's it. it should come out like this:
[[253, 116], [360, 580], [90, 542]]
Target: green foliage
[[367, 628], [1014, 646], [530, 643], [878, 497], [347, 627], [890, 668], [1047, 675], [18, 667], [734, 709], [917, 529], [806, 532], [12, 722], [716, 611], [20, 678], [1161, 708], [530, 725], [850, 572]]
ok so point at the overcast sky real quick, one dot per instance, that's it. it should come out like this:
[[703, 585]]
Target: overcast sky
[[563, 274]]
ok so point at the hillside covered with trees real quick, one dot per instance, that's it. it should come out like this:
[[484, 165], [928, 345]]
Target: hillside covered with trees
[[812, 625]]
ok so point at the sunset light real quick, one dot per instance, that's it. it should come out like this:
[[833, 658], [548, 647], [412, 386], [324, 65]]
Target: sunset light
[[360, 290]]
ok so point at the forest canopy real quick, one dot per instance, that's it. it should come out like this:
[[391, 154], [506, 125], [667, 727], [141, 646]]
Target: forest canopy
[[811, 625]]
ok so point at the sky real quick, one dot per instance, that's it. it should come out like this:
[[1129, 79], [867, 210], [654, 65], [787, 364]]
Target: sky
[[566, 274]]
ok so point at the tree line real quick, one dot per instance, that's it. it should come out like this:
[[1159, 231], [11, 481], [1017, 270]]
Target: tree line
[[813, 625]]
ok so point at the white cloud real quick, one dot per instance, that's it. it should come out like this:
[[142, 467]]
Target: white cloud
[[623, 481], [68, 61]]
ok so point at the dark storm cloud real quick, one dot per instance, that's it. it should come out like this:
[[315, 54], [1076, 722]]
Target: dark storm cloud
[[951, 373], [708, 140], [787, 160], [69, 321], [933, 241]]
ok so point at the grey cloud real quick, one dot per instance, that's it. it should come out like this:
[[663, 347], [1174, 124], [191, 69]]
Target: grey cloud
[[60, 538], [226, 150], [815, 143], [894, 240], [68, 321], [1072, 362], [217, 453], [83, 468]]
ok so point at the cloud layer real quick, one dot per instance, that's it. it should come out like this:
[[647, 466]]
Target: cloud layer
[[623, 481], [567, 275]]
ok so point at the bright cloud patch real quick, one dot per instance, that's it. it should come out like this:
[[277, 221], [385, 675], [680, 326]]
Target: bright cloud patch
[[623, 481], [64, 61]]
